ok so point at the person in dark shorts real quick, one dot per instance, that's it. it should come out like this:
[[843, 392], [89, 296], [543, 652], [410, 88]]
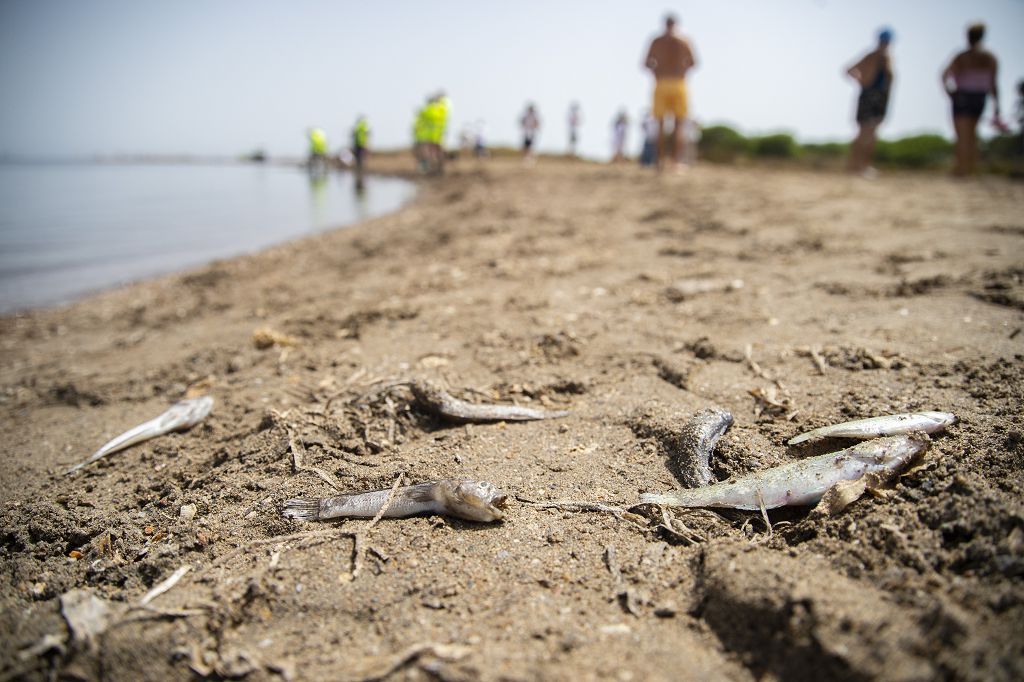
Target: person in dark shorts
[[530, 123], [968, 80], [874, 74]]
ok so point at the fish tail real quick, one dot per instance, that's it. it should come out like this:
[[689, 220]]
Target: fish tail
[[306, 508], [802, 437]]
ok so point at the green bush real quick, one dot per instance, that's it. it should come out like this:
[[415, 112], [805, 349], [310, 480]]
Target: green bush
[[778, 146], [919, 151], [721, 143], [1002, 148]]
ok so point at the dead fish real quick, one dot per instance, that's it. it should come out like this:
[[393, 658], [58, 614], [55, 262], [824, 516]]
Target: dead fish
[[802, 482], [181, 415], [687, 288], [890, 425], [697, 440], [438, 401], [465, 499]]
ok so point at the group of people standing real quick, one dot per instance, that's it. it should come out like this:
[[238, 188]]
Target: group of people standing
[[968, 80], [670, 59], [319, 158]]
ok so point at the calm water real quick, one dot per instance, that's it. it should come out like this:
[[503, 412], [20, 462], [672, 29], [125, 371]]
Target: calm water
[[68, 230]]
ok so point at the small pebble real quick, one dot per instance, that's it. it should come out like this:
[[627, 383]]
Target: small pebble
[[187, 512]]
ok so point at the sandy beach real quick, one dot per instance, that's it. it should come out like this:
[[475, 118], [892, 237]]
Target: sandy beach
[[565, 286]]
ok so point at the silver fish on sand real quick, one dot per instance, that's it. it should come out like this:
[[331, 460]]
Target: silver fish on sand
[[436, 400], [181, 415], [889, 425], [802, 482], [465, 499]]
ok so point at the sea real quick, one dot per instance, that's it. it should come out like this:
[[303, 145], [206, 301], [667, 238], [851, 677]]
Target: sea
[[71, 229]]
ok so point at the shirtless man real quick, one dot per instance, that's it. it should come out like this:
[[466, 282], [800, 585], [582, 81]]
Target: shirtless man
[[874, 74], [968, 80], [670, 58]]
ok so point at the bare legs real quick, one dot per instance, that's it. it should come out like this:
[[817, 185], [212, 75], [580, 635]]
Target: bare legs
[[863, 148], [674, 148], [966, 144]]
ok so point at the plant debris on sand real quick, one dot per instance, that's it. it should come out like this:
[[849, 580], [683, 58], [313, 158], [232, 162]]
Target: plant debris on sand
[[542, 288]]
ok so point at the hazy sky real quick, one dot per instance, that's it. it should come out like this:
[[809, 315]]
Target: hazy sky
[[224, 77]]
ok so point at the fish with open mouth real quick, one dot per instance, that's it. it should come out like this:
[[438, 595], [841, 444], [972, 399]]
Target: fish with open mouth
[[802, 482], [462, 498], [696, 443], [180, 416]]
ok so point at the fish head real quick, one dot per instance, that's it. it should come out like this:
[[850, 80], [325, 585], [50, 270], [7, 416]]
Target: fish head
[[942, 419], [475, 500]]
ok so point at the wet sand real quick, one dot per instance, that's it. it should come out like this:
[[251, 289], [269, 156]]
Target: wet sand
[[552, 286]]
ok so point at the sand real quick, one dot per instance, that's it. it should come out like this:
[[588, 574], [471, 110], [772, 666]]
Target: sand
[[567, 286]]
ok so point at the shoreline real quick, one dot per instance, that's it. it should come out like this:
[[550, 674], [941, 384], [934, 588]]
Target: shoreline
[[560, 285], [387, 172]]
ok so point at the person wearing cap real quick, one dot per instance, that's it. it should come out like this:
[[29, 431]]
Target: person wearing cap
[[874, 74], [968, 80], [670, 58]]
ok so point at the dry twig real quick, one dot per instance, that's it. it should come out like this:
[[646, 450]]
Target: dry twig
[[165, 585], [378, 668], [585, 506], [299, 451], [363, 535]]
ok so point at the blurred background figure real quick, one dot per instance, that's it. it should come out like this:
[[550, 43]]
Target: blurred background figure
[[874, 74], [421, 138], [428, 132], [692, 133], [575, 121], [620, 126], [1020, 116], [466, 141], [360, 146], [968, 79], [317, 161], [480, 145], [669, 58], [437, 111], [649, 133], [530, 123]]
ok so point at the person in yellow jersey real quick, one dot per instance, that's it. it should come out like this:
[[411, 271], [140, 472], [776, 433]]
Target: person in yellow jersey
[[437, 123], [421, 138], [360, 141], [317, 149], [360, 146], [670, 58]]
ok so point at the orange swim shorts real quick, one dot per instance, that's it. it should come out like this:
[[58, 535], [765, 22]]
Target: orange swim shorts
[[669, 98]]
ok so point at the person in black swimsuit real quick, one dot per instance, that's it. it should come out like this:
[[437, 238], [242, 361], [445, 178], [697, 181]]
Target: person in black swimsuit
[[874, 73], [969, 79]]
